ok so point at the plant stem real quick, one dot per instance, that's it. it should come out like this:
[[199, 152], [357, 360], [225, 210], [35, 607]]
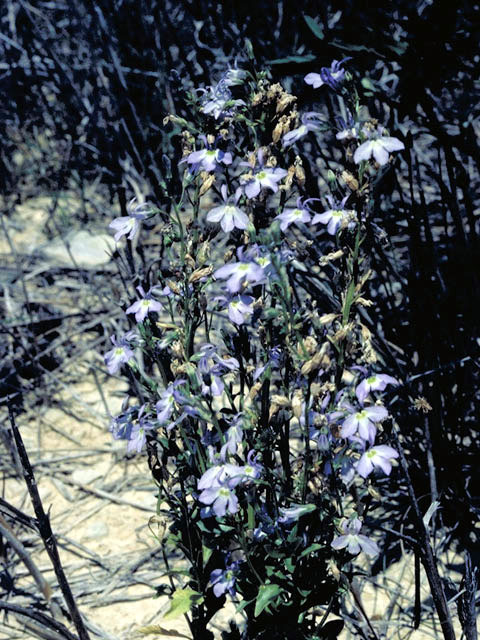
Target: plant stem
[[46, 532]]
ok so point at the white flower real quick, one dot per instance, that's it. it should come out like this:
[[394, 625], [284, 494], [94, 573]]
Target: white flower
[[378, 148], [378, 456], [354, 541], [229, 215]]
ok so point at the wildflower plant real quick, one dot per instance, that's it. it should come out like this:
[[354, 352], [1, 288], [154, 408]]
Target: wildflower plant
[[260, 400]]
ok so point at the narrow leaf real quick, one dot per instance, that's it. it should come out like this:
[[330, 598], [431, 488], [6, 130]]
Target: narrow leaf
[[348, 301], [315, 28], [308, 57], [158, 630], [313, 547], [206, 554]]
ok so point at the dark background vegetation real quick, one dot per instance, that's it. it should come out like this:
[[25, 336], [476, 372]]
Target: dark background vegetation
[[96, 78]]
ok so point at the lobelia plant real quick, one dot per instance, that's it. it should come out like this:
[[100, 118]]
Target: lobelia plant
[[259, 391]]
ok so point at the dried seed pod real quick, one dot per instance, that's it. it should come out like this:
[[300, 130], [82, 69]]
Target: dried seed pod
[[350, 180], [254, 390], [207, 181], [421, 404], [363, 302], [297, 401], [198, 274]]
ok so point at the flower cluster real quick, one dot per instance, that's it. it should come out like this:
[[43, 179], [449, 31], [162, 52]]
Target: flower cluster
[[259, 400]]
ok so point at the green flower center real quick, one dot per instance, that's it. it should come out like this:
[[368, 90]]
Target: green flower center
[[372, 379], [261, 175], [224, 492], [371, 454], [210, 153], [361, 414], [337, 213], [119, 351]]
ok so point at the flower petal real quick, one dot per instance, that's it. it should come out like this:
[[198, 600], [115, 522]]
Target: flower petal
[[364, 152], [392, 144], [314, 79]]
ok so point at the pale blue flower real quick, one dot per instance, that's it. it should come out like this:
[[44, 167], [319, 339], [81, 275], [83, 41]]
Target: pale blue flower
[[138, 435], [222, 499], [216, 98], [219, 475], [223, 581], [263, 178], [377, 382], [240, 308], [147, 304], [130, 225], [240, 274], [121, 353], [288, 515], [294, 216], [379, 456], [353, 540], [207, 159], [234, 76], [348, 129], [335, 217], [132, 426], [166, 404], [363, 423], [310, 122], [378, 146], [229, 215], [332, 76], [234, 437]]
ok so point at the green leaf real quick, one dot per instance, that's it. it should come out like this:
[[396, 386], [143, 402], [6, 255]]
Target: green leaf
[[242, 605], [206, 552], [290, 565], [266, 594], [158, 630], [348, 301], [313, 547], [315, 28], [251, 517], [399, 47], [368, 84], [308, 57], [181, 602]]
